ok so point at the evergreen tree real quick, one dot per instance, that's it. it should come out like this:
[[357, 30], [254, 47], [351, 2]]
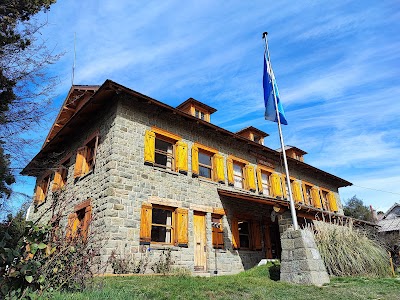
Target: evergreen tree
[[355, 208]]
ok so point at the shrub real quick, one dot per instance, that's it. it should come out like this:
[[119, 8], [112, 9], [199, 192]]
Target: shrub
[[348, 251], [126, 263], [164, 263]]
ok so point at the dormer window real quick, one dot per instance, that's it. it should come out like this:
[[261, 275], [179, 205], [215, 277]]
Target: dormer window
[[197, 109], [253, 134]]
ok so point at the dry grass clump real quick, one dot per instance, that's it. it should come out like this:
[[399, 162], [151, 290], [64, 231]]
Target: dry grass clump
[[348, 251]]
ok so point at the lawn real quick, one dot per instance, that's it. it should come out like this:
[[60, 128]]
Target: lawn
[[252, 284]]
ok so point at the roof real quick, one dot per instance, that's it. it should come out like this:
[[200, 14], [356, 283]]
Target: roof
[[253, 129], [197, 103], [288, 147], [106, 94], [391, 219]]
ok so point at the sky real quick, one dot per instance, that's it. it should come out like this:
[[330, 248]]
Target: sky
[[337, 66]]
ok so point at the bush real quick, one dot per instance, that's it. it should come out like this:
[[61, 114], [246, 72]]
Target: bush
[[126, 263], [348, 251]]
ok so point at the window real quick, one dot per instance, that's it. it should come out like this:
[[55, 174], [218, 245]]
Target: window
[[246, 234], [217, 232], [60, 176], [199, 114], [205, 164], [307, 194], [164, 154], [79, 221], [163, 224], [263, 180], [165, 150], [238, 175], [161, 227], [257, 138], [86, 157], [41, 190], [325, 200]]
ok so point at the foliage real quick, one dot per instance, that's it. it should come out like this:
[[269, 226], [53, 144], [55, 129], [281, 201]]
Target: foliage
[[23, 83], [43, 259], [348, 251], [13, 226], [251, 284], [355, 208], [164, 263], [126, 263]]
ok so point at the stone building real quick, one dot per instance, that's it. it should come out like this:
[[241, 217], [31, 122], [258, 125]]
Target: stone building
[[158, 177]]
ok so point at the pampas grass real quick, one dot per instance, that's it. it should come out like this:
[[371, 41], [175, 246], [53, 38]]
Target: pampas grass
[[348, 251]]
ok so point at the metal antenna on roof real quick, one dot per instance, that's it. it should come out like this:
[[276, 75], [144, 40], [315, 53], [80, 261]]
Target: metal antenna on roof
[[73, 66]]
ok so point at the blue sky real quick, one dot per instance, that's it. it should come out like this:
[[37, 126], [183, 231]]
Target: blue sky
[[337, 66]]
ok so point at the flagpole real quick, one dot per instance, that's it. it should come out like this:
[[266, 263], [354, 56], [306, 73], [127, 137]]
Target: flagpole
[[292, 207]]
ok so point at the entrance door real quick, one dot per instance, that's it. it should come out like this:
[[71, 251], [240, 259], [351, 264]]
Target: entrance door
[[200, 248]]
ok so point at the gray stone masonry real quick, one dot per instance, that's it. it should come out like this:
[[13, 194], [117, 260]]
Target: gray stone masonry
[[301, 262]]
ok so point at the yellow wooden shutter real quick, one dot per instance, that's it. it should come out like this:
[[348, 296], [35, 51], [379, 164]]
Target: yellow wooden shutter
[[39, 195], [195, 161], [229, 166], [256, 235], [250, 179], [316, 198], [72, 226], [145, 223], [259, 180], [79, 163], [57, 180], [276, 185], [86, 222], [149, 147], [296, 191], [332, 202], [182, 157], [219, 171], [182, 227], [235, 233]]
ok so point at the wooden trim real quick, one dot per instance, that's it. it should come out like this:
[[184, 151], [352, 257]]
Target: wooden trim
[[205, 148], [166, 133], [219, 211], [82, 205], [237, 159], [91, 137], [265, 169]]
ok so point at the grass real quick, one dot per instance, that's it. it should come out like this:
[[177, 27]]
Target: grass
[[252, 284]]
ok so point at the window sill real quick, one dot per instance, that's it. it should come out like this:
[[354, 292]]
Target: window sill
[[207, 180], [166, 171], [77, 179], [163, 247]]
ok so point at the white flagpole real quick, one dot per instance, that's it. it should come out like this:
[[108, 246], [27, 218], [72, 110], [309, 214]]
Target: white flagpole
[[292, 207]]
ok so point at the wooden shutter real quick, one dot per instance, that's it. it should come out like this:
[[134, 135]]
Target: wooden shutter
[[250, 179], [182, 157], [332, 202], [256, 235], [316, 198], [229, 166], [72, 226], [296, 191], [57, 180], [235, 233], [39, 194], [276, 185], [217, 233], [268, 243], [80, 161], [86, 222], [219, 171], [181, 227], [96, 144], [149, 147], [259, 180], [145, 224], [195, 161]]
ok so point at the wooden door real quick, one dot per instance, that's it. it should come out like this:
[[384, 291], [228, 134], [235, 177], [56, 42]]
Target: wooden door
[[200, 247]]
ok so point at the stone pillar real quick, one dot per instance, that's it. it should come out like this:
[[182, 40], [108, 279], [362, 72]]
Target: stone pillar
[[301, 262]]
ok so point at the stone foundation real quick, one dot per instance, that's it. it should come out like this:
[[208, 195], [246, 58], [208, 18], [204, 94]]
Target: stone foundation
[[301, 262]]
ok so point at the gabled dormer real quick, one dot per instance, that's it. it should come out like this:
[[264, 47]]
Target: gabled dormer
[[253, 134], [294, 152], [197, 109]]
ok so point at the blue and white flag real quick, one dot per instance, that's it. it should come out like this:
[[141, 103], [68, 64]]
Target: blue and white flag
[[270, 86]]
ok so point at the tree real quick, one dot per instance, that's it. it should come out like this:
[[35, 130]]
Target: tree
[[355, 208], [24, 85]]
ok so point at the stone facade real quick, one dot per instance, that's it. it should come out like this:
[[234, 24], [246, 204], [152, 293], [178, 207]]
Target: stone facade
[[121, 183]]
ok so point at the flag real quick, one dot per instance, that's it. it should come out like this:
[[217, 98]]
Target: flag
[[270, 87]]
